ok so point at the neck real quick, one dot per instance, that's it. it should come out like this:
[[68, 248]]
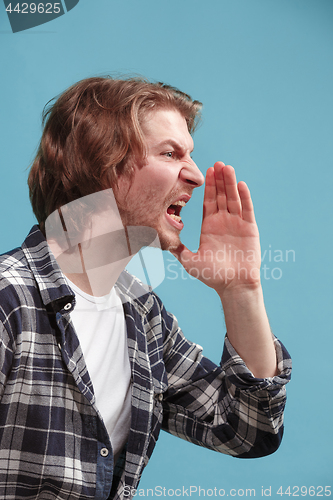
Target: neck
[[92, 268], [98, 281]]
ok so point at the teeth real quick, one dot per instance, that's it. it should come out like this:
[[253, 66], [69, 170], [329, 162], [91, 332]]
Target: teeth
[[175, 217], [180, 203]]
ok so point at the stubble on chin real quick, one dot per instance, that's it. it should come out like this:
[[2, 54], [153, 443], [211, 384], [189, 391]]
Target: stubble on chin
[[167, 240], [169, 243], [141, 214]]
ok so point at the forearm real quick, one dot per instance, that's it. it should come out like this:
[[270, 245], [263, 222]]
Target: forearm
[[229, 222], [248, 329]]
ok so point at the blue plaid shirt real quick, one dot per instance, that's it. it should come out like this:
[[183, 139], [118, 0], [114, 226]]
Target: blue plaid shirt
[[53, 442]]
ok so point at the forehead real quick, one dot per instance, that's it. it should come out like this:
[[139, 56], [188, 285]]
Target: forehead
[[163, 125]]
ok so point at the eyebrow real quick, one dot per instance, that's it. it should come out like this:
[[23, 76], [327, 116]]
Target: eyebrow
[[170, 142]]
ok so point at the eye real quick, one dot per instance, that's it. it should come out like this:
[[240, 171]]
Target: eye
[[169, 154]]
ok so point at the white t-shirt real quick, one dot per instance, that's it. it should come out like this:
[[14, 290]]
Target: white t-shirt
[[100, 325]]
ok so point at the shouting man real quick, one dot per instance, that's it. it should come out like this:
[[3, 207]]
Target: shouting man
[[91, 364]]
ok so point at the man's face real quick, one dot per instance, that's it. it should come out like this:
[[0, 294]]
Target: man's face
[[164, 182]]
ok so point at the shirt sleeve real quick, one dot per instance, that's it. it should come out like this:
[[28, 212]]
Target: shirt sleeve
[[6, 357], [224, 408]]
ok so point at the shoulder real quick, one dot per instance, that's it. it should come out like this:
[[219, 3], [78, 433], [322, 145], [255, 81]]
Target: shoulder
[[14, 273], [17, 286], [13, 264]]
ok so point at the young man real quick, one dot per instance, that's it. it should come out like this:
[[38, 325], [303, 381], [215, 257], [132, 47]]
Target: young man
[[92, 366]]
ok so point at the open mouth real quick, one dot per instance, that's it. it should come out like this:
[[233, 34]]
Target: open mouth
[[174, 210]]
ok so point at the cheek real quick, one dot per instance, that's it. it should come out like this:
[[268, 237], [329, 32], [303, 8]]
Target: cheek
[[147, 186], [156, 180]]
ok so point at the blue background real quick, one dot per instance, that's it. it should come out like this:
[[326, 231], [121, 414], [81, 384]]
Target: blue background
[[263, 69]]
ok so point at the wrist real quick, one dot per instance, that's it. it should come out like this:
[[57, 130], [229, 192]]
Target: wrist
[[241, 292], [248, 328]]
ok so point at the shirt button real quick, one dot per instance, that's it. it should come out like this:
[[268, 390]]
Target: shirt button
[[67, 306], [104, 452], [160, 397]]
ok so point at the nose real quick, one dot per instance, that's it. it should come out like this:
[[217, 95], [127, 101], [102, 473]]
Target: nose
[[191, 174]]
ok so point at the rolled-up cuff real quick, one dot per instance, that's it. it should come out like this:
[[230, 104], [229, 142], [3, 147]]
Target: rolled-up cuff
[[239, 374]]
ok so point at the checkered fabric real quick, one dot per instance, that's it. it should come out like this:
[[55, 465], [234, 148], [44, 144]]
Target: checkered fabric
[[53, 442]]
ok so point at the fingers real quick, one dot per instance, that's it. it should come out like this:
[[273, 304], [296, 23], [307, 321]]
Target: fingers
[[231, 191], [247, 205], [223, 194], [215, 194], [210, 202]]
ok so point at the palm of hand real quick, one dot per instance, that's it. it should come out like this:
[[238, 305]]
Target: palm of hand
[[229, 250]]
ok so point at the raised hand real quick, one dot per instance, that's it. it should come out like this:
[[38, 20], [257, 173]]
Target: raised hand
[[228, 260], [229, 251]]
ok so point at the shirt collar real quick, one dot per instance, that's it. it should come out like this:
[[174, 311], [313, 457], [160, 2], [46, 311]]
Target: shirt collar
[[133, 291], [53, 285], [50, 280]]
